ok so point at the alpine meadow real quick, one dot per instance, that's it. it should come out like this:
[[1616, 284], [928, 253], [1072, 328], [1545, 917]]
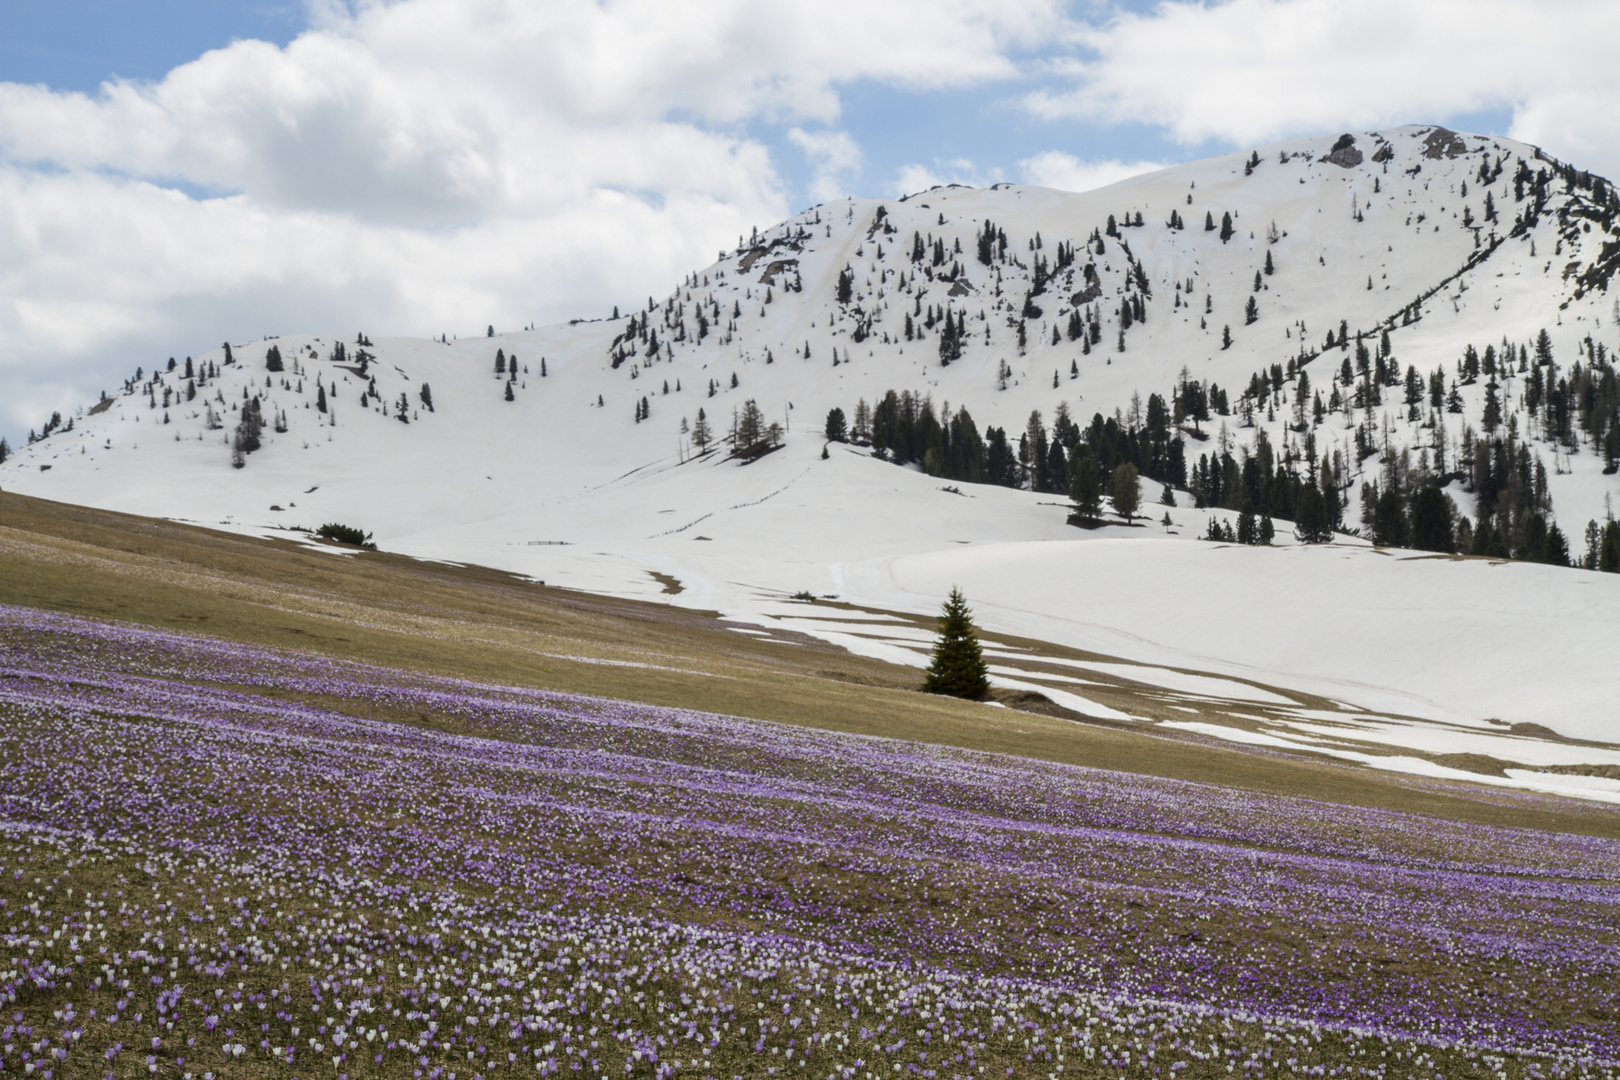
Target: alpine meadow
[[1165, 630]]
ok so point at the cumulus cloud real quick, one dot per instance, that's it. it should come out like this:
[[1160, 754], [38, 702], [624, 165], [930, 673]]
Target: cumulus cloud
[[1055, 169], [424, 165], [835, 158], [1246, 71]]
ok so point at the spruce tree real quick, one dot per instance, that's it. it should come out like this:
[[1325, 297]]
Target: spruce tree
[[1556, 550], [1609, 549], [958, 668], [1245, 525], [837, 428], [1389, 522], [1312, 523], [1431, 520]]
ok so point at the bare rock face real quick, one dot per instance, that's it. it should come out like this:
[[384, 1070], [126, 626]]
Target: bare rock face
[[1442, 143], [1344, 152], [1384, 152]]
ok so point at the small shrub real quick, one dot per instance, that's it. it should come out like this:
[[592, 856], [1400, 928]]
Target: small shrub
[[345, 534]]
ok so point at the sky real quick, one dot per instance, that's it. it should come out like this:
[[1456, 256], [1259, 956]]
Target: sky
[[176, 173]]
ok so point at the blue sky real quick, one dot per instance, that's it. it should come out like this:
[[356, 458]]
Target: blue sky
[[76, 44], [423, 166]]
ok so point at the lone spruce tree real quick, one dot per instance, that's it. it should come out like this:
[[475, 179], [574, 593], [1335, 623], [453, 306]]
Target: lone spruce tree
[[958, 667]]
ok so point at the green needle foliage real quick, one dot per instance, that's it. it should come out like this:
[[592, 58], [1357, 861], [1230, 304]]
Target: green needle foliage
[[958, 667]]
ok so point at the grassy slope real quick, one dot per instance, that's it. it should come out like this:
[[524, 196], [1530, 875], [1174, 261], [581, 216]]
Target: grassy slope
[[486, 625]]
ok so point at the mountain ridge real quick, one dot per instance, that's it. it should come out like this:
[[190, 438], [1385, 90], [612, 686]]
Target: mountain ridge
[[569, 453]]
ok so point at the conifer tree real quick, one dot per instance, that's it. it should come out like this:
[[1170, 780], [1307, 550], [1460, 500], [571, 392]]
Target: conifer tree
[[1609, 549], [950, 341], [701, 436], [836, 425], [1492, 416], [1086, 488], [1431, 520], [1245, 525], [1126, 490], [427, 396], [1544, 353], [1312, 522], [1389, 523], [958, 668], [1556, 549]]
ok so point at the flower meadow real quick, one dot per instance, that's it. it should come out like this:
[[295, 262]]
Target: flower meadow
[[218, 861]]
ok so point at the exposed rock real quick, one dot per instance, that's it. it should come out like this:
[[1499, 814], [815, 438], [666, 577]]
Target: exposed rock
[[777, 266], [1344, 152], [1442, 143], [1086, 295]]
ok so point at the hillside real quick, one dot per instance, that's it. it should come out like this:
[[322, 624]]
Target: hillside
[[272, 862], [572, 453]]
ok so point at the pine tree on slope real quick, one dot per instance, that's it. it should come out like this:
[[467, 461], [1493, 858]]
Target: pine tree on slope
[[958, 668]]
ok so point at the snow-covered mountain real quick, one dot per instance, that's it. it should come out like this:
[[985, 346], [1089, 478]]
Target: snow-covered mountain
[[1369, 314]]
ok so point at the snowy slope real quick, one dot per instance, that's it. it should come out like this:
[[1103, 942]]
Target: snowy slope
[[564, 482]]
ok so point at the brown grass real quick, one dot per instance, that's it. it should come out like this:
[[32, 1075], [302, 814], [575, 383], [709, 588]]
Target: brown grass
[[484, 624]]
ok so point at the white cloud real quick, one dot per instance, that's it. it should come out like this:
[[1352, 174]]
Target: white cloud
[[917, 177], [428, 165], [1250, 70], [835, 157], [1055, 169]]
